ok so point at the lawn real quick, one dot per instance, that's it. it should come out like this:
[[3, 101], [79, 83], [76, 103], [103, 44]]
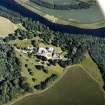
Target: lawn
[[39, 75], [21, 44], [28, 63], [75, 88]]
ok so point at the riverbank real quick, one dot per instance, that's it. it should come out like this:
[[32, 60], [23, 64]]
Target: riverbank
[[61, 21], [15, 7]]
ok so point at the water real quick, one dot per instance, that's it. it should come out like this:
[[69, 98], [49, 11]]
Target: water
[[10, 4]]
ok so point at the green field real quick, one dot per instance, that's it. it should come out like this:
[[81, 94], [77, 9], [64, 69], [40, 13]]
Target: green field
[[91, 67], [75, 88], [62, 2], [90, 18]]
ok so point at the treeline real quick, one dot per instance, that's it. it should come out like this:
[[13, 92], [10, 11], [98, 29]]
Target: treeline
[[14, 17], [46, 82], [97, 51], [10, 77], [12, 84]]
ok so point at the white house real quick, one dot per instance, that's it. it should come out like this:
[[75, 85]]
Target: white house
[[46, 52], [49, 49]]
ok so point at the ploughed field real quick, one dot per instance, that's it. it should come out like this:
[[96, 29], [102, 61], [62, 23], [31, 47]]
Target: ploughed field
[[75, 88]]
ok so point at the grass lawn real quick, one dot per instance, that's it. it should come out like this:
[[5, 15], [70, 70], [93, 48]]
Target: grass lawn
[[75, 88], [21, 43], [38, 75]]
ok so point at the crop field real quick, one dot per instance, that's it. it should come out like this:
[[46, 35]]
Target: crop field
[[75, 88], [87, 16], [91, 14], [61, 2], [6, 27], [56, 1]]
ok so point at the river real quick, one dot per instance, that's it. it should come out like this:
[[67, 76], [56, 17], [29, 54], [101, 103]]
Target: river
[[10, 4]]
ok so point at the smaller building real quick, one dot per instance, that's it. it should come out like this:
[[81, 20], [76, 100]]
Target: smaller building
[[56, 56], [29, 49], [50, 50]]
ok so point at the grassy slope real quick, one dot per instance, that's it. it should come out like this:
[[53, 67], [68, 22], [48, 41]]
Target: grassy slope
[[6, 27], [39, 75], [96, 22], [75, 88], [91, 67]]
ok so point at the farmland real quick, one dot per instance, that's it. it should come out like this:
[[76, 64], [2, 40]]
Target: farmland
[[65, 5], [75, 88], [75, 17], [6, 27], [92, 68]]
